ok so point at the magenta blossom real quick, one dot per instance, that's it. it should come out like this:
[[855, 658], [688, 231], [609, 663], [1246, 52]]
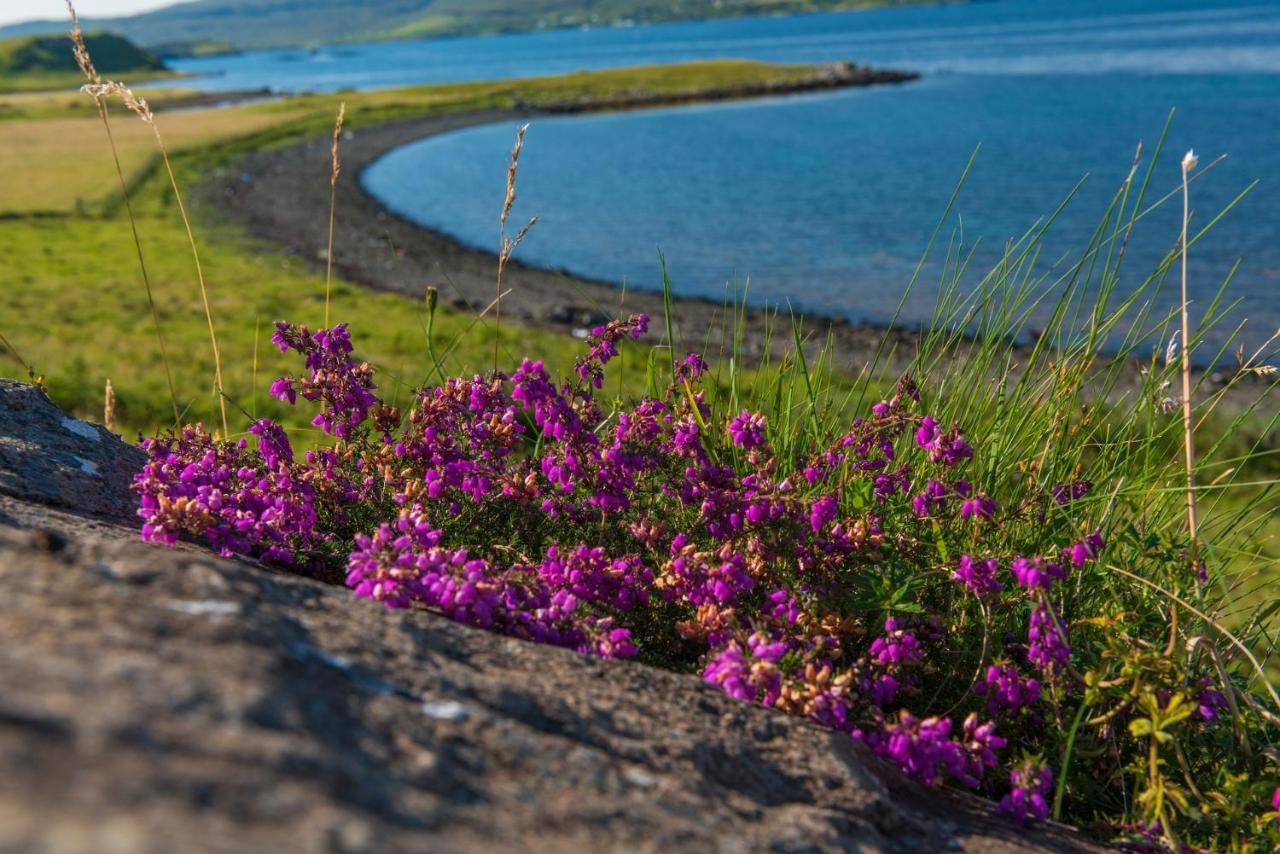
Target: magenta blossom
[[1029, 797]]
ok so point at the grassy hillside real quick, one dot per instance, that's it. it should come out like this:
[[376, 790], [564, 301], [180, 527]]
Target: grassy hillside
[[285, 23], [46, 61]]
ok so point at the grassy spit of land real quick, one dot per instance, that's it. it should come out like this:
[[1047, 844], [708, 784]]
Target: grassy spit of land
[[71, 273]]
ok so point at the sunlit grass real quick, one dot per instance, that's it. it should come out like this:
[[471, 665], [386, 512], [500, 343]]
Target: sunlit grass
[[65, 163]]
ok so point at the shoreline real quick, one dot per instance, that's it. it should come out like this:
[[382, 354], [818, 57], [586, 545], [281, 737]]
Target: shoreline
[[379, 249]]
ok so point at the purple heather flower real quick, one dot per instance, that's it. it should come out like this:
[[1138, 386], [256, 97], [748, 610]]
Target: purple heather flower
[[603, 346], [785, 607], [747, 430], [526, 506], [1209, 700], [690, 368], [1065, 493], [1029, 798], [978, 575], [226, 494], [273, 443], [1036, 572], [980, 506], [933, 498], [343, 387], [1007, 690], [822, 511], [946, 448], [282, 389], [927, 435], [1082, 552], [1047, 646], [749, 674], [924, 749], [591, 576]]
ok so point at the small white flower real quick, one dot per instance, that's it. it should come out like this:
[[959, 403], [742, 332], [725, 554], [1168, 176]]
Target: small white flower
[[1171, 352], [1190, 161]]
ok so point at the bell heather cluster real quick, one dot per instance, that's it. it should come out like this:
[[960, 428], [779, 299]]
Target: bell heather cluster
[[852, 580]]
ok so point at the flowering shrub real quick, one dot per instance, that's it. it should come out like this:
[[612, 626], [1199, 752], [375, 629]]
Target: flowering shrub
[[865, 578]]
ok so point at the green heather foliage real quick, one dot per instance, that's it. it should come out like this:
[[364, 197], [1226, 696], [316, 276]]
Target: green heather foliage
[[286, 23]]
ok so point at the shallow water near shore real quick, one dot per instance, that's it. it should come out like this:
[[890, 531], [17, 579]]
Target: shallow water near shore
[[825, 202]]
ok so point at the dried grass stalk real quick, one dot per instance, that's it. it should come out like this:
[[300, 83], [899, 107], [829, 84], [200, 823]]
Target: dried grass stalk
[[1188, 163], [85, 61], [109, 407], [335, 171], [139, 106], [507, 245]]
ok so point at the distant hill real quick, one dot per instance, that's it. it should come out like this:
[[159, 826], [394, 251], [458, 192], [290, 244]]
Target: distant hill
[[248, 24], [46, 61], [51, 54]]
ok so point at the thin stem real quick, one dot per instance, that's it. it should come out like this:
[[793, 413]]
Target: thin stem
[[335, 170], [142, 264], [21, 361], [204, 292], [1188, 428]]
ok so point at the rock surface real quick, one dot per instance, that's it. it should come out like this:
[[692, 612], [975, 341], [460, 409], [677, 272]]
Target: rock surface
[[168, 700], [48, 457]]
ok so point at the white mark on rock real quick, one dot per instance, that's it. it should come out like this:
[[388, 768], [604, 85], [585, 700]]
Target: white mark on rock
[[445, 710], [81, 429], [335, 661], [640, 778], [88, 466], [206, 608]]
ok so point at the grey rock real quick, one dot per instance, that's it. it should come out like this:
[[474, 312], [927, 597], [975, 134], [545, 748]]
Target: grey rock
[[47, 457], [168, 700]]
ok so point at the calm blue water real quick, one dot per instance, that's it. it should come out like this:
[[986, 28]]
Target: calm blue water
[[827, 201]]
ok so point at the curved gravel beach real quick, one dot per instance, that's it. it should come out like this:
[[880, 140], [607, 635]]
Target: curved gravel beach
[[282, 195]]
